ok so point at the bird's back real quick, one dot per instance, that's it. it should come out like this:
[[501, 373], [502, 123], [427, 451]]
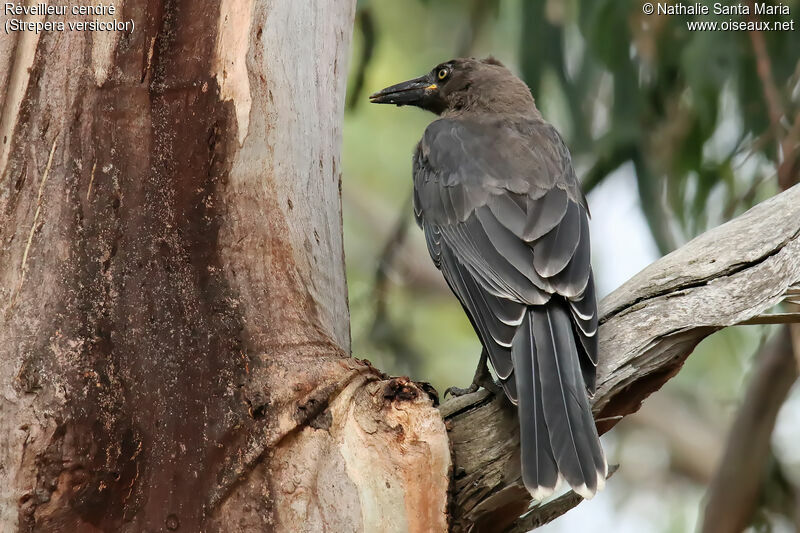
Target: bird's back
[[506, 222]]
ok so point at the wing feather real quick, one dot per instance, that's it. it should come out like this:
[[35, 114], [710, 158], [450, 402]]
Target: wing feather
[[510, 212], [545, 213], [552, 253], [496, 336], [572, 281]]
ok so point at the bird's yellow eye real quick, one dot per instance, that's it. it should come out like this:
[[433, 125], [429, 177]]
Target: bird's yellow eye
[[443, 73]]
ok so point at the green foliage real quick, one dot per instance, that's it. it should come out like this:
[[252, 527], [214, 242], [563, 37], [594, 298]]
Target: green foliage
[[664, 109]]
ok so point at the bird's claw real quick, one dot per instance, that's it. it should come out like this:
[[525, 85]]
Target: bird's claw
[[455, 392], [481, 381], [482, 378]]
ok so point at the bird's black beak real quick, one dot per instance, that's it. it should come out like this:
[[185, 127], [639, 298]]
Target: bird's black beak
[[411, 92]]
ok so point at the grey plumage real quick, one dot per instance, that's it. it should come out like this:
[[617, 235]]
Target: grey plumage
[[505, 221]]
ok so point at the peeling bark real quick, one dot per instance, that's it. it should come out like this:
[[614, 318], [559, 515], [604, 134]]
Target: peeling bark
[[174, 330]]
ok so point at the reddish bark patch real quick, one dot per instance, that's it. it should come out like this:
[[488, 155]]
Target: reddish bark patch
[[146, 334], [400, 390]]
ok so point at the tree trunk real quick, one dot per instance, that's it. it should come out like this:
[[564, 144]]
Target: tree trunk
[[174, 331]]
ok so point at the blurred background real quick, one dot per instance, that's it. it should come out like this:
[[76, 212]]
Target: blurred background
[[672, 132]]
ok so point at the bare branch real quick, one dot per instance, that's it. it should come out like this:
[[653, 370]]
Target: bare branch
[[789, 142], [764, 69], [366, 22], [733, 493], [649, 326], [772, 318]]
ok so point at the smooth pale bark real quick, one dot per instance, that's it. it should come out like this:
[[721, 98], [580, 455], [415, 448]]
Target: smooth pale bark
[[174, 330]]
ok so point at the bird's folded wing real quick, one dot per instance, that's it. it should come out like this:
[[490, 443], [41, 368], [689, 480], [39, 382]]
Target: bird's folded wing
[[495, 319], [502, 205]]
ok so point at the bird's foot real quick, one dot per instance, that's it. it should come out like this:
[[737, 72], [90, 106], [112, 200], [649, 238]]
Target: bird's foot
[[455, 392], [482, 379]]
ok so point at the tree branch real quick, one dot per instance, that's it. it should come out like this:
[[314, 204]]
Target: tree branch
[[649, 326], [733, 493], [366, 22]]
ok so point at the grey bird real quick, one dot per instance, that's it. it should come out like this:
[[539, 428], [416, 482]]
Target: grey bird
[[507, 224]]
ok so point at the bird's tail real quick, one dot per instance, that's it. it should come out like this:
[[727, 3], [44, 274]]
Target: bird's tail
[[557, 431]]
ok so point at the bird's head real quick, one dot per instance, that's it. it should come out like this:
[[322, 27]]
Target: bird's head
[[462, 85]]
